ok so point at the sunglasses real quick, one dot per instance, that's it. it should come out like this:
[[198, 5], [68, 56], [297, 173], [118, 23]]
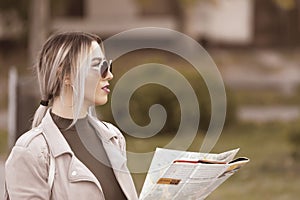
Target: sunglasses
[[103, 67]]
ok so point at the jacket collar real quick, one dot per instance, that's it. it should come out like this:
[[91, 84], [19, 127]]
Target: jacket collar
[[105, 133], [58, 144], [108, 136]]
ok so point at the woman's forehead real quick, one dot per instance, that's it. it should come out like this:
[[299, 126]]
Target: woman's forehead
[[96, 50]]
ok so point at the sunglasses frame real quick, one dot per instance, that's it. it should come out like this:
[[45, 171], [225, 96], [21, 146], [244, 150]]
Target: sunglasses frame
[[104, 72]]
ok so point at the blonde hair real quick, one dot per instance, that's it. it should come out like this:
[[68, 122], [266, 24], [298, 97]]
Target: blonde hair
[[63, 54]]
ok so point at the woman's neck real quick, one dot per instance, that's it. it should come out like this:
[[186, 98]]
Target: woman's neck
[[63, 107]]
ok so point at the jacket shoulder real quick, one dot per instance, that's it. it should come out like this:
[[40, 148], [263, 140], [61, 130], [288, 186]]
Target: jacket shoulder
[[31, 147], [26, 138], [34, 141]]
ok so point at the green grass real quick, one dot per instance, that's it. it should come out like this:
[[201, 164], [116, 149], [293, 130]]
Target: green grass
[[265, 98], [3, 143], [272, 172], [271, 167]]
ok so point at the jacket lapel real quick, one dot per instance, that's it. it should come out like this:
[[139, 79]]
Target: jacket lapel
[[117, 157], [58, 146], [109, 140], [77, 170]]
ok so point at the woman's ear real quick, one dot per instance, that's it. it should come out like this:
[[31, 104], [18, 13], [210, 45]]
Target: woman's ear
[[67, 80]]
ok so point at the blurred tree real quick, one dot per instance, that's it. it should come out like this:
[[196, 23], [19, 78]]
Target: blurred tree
[[277, 22], [285, 4], [67, 8], [14, 17], [288, 21], [21, 6]]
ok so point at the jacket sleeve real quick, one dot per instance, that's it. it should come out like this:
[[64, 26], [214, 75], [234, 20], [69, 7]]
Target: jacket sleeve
[[26, 174]]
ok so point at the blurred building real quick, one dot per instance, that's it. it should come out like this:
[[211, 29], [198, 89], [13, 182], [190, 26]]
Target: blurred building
[[229, 21], [241, 22]]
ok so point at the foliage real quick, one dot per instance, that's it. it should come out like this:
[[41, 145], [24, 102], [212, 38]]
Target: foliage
[[151, 94], [294, 137], [3, 143], [285, 4], [66, 8], [21, 6]]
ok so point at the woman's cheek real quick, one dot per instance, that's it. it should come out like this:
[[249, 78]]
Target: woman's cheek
[[91, 87]]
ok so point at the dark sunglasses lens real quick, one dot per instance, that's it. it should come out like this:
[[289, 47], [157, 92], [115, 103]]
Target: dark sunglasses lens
[[104, 69]]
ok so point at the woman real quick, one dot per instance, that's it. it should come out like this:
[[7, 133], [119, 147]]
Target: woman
[[69, 153]]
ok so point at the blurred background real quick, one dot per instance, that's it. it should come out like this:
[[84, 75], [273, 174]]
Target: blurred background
[[255, 44]]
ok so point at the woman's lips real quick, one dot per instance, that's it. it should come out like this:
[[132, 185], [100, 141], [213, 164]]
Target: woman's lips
[[106, 89]]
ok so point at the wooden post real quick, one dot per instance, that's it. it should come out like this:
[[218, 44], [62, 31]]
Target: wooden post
[[12, 106]]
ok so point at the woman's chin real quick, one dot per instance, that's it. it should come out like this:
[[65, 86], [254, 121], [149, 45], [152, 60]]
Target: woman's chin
[[100, 102]]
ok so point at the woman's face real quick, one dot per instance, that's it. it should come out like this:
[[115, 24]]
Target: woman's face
[[96, 87]]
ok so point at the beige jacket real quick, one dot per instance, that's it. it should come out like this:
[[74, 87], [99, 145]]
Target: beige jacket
[[27, 167]]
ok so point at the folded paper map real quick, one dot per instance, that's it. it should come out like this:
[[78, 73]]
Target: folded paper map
[[186, 175]]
